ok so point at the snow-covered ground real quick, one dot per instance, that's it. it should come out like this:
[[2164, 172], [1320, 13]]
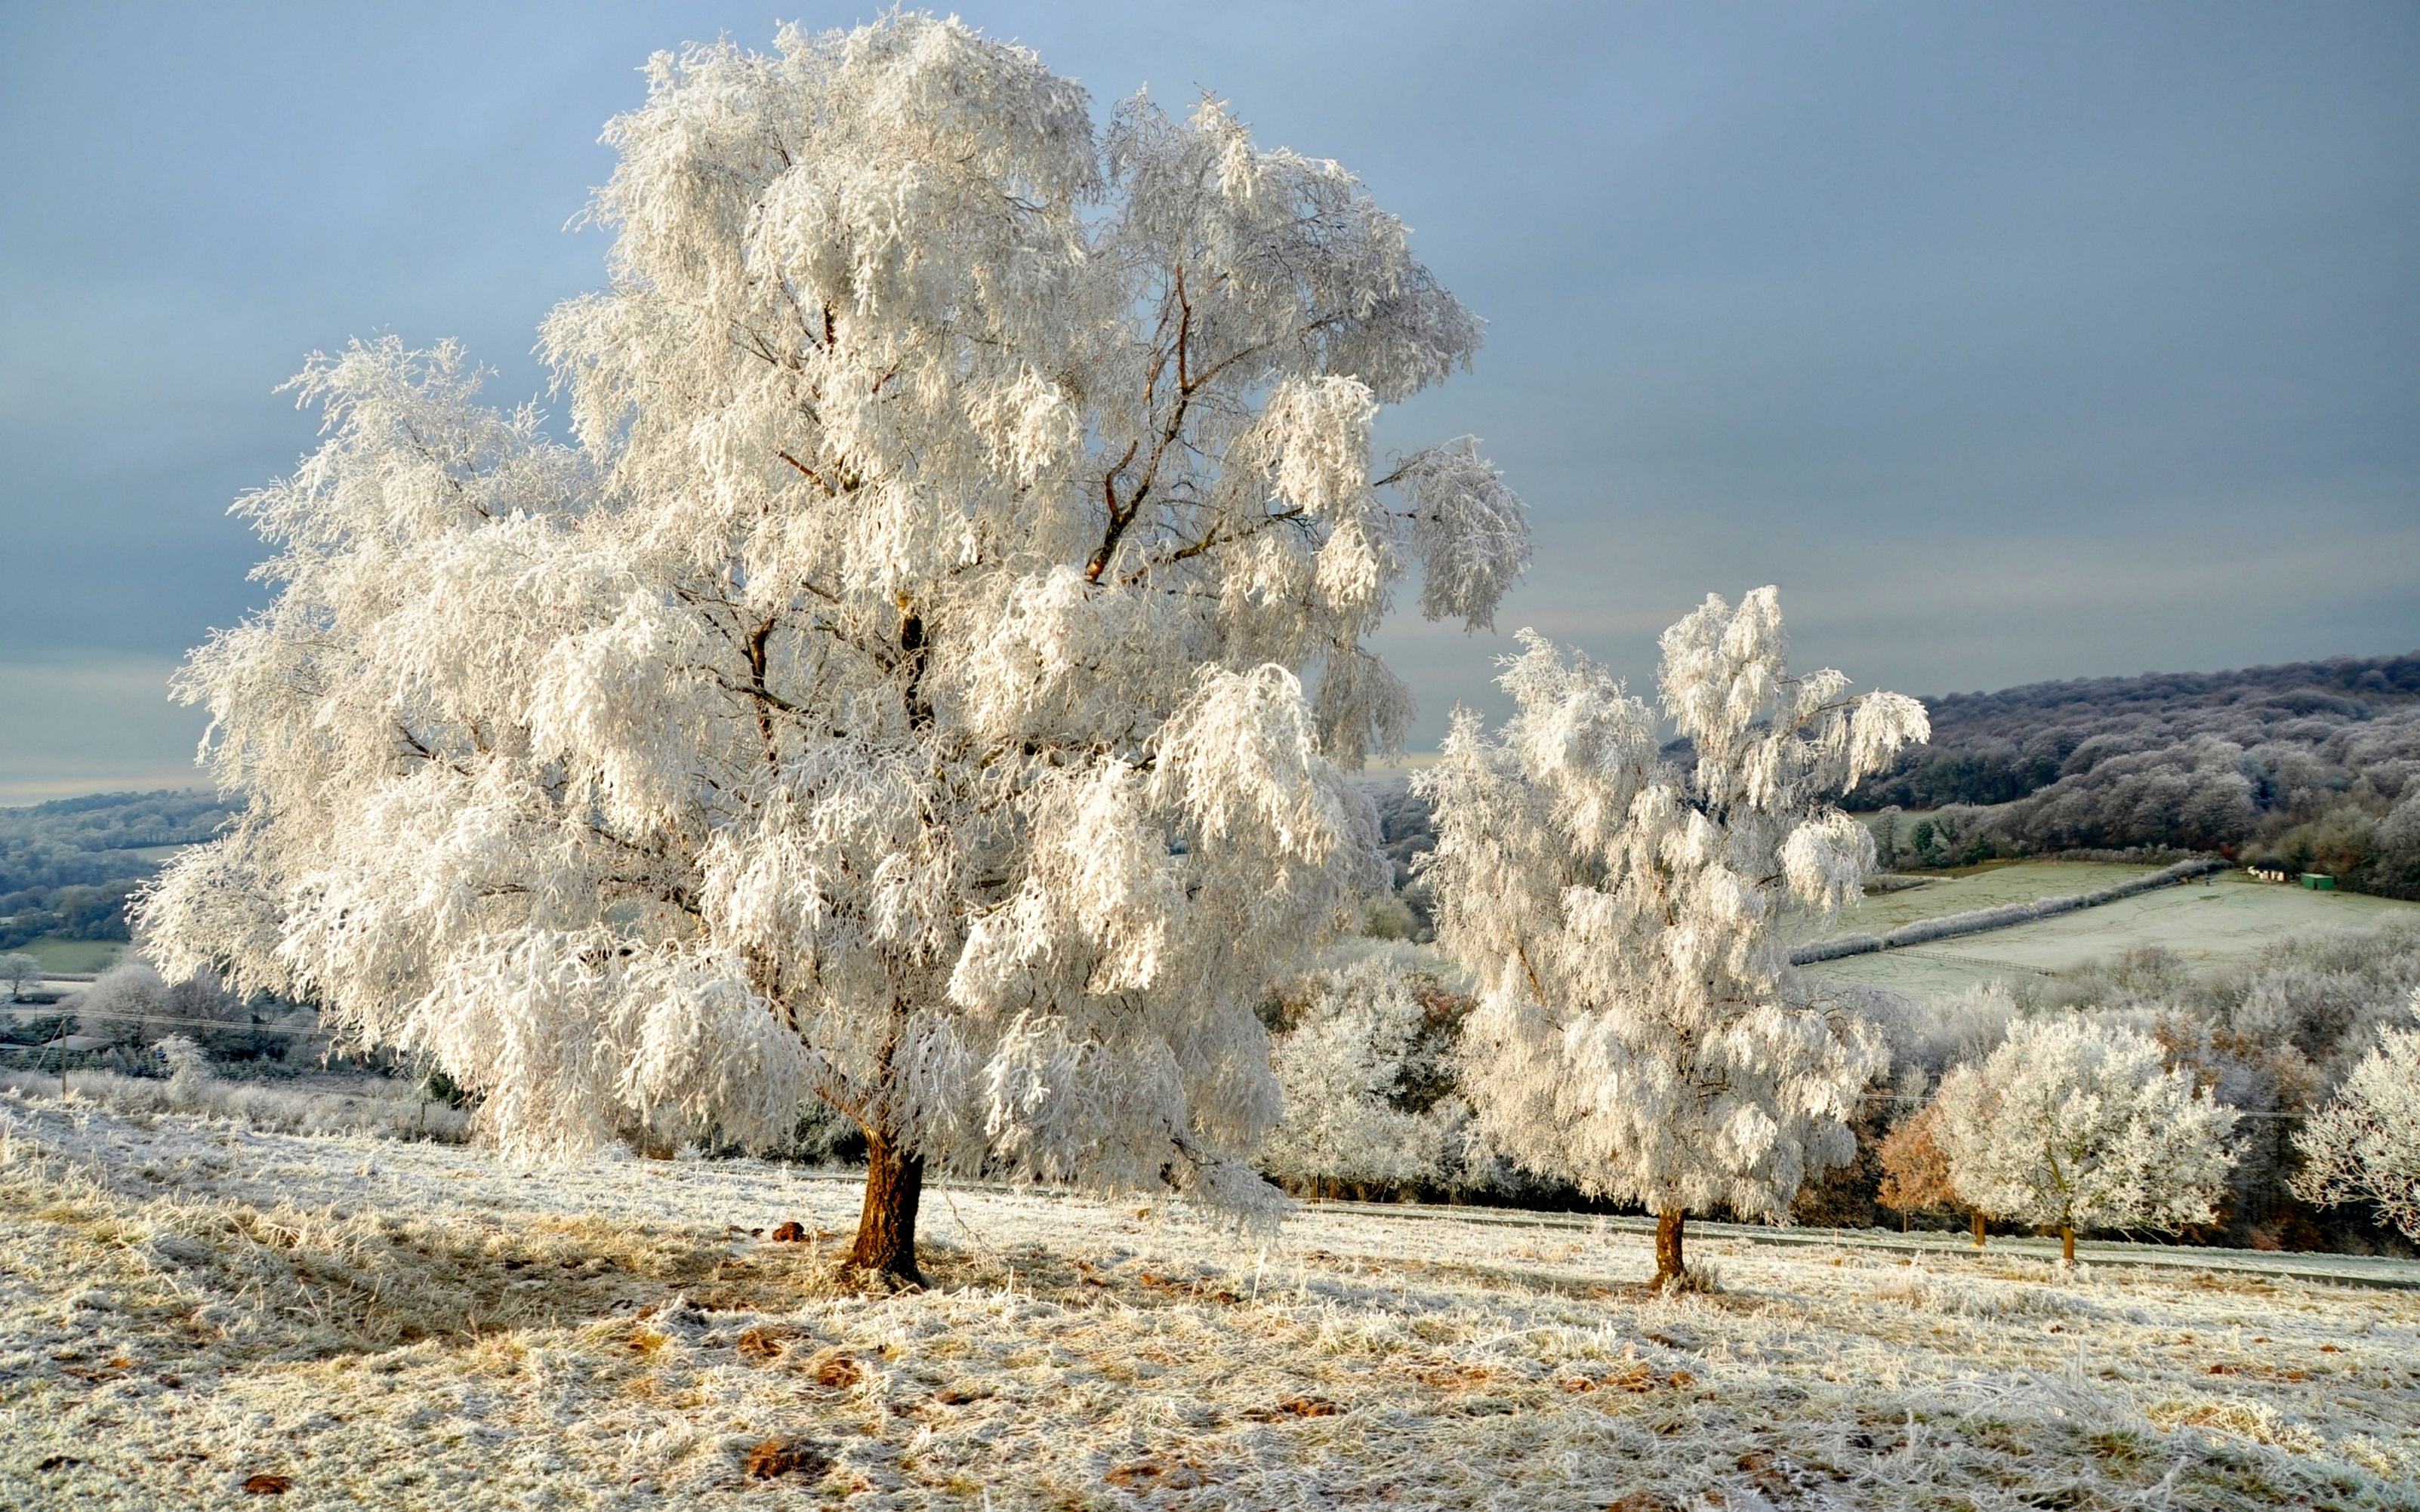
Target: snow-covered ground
[[192, 1304]]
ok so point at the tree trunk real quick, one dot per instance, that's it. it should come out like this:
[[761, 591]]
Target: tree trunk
[[2067, 1243], [1978, 1229], [885, 1227], [1668, 1267]]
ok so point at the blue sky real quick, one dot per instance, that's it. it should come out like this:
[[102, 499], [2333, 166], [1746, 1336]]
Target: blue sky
[[2014, 342]]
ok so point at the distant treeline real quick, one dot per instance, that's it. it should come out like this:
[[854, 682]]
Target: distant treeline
[[67, 867], [2315, 766]]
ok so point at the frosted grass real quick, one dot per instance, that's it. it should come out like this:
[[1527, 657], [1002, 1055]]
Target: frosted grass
[[194, 1302]]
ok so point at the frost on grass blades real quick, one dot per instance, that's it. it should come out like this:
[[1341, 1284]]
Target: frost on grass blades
[[925, 683], [1640, 1031], [413, 1325]]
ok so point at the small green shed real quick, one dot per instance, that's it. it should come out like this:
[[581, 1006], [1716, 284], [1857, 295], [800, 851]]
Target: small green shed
[[2319, 881]]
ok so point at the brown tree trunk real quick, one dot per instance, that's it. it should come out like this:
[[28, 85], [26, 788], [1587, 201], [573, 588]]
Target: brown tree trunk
[[1668, 1266], [886, 1227], [1978, 1229], [2067, 1243]]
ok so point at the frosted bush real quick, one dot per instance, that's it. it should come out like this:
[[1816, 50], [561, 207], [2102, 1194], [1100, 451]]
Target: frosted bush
[[124, 1004], [1343, 1066], [2072, 1123], [2364, 1147]]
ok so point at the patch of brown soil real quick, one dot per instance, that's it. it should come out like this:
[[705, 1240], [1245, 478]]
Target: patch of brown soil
[[786, 1457]]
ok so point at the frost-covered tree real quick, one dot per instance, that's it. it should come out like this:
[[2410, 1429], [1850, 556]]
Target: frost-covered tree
[[1342, 1066], [124, 1004], [1639, 1030], [2365, 1146], [2074, 1124], [922, 686], [18, 969]]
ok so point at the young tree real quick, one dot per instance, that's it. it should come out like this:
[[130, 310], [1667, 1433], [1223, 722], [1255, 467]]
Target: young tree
[[2364, 1147], [17, 968], [1915, 1171], [1886, 833], [923, 685], [1341, 1067], [2075, 1124], [1640, 1031]]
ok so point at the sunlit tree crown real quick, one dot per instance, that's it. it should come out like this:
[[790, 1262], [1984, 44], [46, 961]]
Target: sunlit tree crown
[[924, 679]]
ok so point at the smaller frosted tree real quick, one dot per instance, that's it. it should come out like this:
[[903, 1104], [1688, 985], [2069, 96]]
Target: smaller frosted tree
[[1641, 1032], [2071, 1124], [18, 969], [1341, 1068], [2365, 1146], [123, 1004]]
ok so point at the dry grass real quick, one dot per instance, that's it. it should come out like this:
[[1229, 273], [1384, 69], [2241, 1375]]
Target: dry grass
[[195, 1303]]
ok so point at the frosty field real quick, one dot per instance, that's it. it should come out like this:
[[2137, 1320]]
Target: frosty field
[[1986, 888], [2209, 926], [193, 1304]]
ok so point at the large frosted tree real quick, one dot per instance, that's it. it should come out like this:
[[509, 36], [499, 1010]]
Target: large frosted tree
[[1639, 1030], [2071, 1124], [922, 683]]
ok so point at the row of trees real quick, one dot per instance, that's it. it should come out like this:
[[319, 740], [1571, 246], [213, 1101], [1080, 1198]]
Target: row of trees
[[2060, 1118], [1995, 747], [2133, 1098], [129, 1007], [2068, 1124], [2071, 1124]]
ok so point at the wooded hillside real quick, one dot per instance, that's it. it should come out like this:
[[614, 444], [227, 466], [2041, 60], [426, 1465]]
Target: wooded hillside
[[2312, 764]]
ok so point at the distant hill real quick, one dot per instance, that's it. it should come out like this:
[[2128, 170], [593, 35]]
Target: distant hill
[[1996, 748], [2316, 764], [68, 866]]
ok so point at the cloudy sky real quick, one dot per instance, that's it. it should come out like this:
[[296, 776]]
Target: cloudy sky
[[2014, 342]]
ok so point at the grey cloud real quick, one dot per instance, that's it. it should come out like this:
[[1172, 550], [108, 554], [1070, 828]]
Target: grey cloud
[[2014, 341]]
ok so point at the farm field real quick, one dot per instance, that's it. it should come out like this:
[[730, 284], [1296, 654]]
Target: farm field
[[196, 1303], [1988, 886], [2217, 924], [75, 957]]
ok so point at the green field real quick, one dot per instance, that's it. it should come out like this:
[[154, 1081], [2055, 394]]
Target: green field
[[1988, 886], [75, 957], [2210, 925]]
